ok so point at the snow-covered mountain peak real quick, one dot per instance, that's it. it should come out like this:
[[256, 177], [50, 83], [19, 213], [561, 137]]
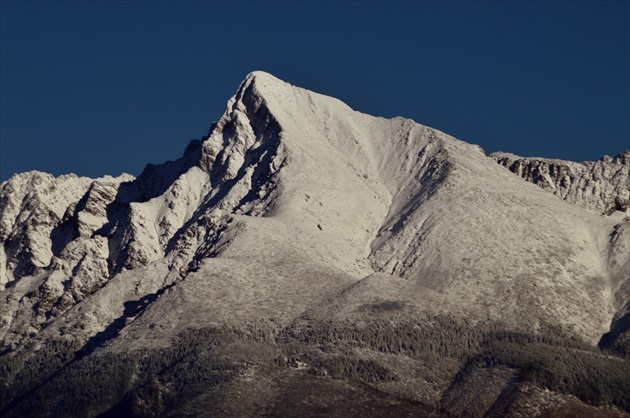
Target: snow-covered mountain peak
[[259, 75], [297, 208], [259, 89]]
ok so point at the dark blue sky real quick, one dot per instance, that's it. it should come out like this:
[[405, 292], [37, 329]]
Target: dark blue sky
[[100, 88]]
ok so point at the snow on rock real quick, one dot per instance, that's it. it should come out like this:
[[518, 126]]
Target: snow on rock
[[32, 205], [290, 202], [602, 187]]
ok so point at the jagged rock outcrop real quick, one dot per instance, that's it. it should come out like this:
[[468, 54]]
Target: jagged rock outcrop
[[47, 226], [601, 187]]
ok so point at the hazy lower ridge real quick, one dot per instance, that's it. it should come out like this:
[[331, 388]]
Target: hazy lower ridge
[[305, 259]]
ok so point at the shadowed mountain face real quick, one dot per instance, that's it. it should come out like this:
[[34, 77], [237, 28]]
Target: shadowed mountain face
[[306, 259]]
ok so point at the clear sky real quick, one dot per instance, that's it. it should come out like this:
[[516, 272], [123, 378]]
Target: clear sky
[[100, 88]]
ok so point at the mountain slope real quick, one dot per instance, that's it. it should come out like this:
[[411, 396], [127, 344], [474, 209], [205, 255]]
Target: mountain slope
[[601, 187], [295, 217]]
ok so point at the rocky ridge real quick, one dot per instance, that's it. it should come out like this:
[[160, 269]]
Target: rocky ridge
[[601, 187]]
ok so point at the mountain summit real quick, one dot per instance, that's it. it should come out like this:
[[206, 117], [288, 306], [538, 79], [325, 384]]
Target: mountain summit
[[307, 259]]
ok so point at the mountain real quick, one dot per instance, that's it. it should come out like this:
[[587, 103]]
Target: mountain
[[307, 259]]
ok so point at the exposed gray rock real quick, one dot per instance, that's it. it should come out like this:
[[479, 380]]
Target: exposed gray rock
[[601, 187]]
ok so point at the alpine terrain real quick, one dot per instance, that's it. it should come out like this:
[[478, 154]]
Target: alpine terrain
[[305, 259]]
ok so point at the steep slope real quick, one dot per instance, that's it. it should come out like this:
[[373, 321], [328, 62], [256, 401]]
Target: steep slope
[[295, 220]]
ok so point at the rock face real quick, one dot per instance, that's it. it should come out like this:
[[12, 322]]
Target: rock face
[[601, 187], [316, 249]]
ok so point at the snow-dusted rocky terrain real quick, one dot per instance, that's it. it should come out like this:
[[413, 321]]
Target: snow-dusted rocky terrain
[[601, 187], [304, 248]]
